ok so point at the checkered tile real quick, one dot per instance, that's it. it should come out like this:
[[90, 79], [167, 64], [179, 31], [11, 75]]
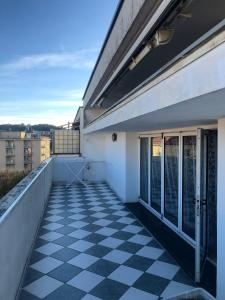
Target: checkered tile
[[91, 247]]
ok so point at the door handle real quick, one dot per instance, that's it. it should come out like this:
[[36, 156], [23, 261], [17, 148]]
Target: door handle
[[204, 201]]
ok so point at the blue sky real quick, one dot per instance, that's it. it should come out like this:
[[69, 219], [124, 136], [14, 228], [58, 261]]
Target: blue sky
[[48, 50]]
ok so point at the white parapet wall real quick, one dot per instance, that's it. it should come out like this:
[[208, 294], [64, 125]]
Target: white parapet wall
[[18, 227], [71, 168]]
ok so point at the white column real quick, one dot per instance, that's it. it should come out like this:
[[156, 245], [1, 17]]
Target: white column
[[221, 211], [132, 167]]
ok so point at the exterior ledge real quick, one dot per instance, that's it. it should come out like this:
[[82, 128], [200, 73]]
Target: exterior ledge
[[7, 200]]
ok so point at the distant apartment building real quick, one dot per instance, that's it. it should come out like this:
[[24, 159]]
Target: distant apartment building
[[21, 153]]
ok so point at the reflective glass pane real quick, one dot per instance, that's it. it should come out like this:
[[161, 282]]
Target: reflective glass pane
[[144, 169], [171, 164], [155, 183], [189, 180]]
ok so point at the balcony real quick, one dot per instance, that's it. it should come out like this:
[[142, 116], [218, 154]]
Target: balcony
[[10, 146], [27, 161], [10, 152], [65, 240], [28, 152], [10, 161]]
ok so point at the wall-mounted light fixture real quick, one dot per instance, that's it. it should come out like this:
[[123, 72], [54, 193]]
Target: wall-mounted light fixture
[[114, 137]]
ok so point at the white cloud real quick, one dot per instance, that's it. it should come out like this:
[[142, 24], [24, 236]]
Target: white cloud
[[57, 110], [62, 103], [50, 117], [82, 59], [75, 94]]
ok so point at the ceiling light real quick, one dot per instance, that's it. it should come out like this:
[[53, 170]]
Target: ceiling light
[[161, 37], [140, 56], [99, 104], [184, 16]]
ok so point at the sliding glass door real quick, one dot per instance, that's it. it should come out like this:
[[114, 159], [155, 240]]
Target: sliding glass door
[[168, 179], [178, 182], [171, 173]]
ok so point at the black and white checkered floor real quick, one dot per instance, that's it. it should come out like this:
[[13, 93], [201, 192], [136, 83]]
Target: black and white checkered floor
[[91, 247]]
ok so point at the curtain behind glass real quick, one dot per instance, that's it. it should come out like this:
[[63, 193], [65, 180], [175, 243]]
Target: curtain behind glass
[[155, 183], [189, 181], [171, 164]]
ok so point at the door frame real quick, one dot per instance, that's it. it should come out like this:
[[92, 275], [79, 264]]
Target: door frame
[[198, 193]]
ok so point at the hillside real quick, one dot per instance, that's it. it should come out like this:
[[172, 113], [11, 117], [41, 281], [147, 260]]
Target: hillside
[[23, 127]]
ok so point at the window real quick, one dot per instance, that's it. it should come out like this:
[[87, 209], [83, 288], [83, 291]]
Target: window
[[10, 144]]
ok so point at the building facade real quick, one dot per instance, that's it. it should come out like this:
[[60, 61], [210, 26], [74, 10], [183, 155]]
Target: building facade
[[19, 153], [154, 111]]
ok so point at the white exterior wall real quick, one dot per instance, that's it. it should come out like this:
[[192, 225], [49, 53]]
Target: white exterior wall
[[121, 161], [81, 114], [132, 167], [94, 146], [115, 158]]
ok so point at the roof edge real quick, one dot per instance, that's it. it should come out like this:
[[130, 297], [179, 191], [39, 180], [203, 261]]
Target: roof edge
[[104, 43]]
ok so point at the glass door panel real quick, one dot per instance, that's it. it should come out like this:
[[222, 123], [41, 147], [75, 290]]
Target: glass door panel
[[144, 152], [189, 182], [171, 167], [155, 184], [211, 207], [206, 203]]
